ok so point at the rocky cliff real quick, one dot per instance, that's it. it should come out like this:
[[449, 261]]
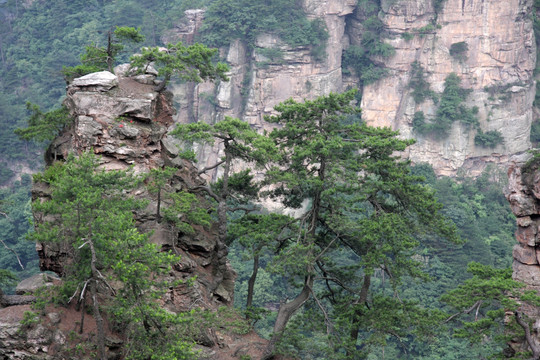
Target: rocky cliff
[[523, 193], [497, 68], [124, 121]]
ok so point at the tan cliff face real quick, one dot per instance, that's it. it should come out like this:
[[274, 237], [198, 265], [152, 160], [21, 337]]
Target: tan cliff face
[[498, 69]]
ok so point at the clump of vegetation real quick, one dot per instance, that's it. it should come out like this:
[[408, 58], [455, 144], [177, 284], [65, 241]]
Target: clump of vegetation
[[407, 36], [451, 108], [421, 88], [227, 20], [459, 50], [357, 59], [437, 5], [488, 139], [362, 59], [272, 55], [535, 133], [44, 127], [99, 58], [424, 30]]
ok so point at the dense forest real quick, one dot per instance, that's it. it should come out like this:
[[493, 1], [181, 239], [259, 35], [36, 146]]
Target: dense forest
[[390, 303]]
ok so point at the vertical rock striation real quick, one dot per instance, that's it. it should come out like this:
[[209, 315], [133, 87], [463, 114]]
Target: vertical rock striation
[[498, 68]]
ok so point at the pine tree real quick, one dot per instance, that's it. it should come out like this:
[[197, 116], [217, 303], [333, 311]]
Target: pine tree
[[357, 197], [90, 216]]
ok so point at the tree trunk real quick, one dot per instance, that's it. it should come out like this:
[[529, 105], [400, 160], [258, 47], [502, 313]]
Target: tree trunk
[[163, 84], [357, 317], [528, 336], [158, 214], [99, 322], [95, 301], [251, 282], [284, 314]]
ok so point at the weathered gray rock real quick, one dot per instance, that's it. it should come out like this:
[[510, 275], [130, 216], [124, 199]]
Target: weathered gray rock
[[33, 284], [101, 81]]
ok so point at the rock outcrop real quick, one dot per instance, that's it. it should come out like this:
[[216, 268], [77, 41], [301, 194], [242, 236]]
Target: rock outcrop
[[523, 194], [498, 68], [124, 121]]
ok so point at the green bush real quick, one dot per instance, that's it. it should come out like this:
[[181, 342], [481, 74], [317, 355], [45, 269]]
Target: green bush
[[488, 139], [459, 50], [437, 5], [407, 36], [227, 20], [450, 109], [428, 29], [421, 88], [535, 133]]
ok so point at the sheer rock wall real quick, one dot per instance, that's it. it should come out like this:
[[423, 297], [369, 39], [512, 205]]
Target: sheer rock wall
[[498, 69]]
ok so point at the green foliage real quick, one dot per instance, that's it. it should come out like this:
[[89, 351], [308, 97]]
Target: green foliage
[[361, 59], [437, 5], [98, 58], [488, 139], [93, 218], [421, 88], [459, 50], [17, 255], [273, 56], [450, 109], [187, 63], [28, 321], [363, 204], [44, 127], [424, 30], [227, 20], [407, 36], [485, 300], [7, 278], [357, 59], [535, 133]]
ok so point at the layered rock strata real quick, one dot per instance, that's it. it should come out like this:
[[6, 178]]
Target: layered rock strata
[[497, 68]]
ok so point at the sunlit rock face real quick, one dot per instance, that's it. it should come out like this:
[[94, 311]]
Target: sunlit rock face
[[498, 68]]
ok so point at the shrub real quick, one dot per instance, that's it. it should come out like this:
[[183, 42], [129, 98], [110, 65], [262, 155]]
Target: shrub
[[450, 109], [407, 36], [459, 50], [227, 20], [488, 139], [420, 86]]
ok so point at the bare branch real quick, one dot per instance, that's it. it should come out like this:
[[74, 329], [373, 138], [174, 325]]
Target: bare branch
[[532, 344], [207, 190], [14, 253], [467, 311], [210, 167], [74, 294]]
